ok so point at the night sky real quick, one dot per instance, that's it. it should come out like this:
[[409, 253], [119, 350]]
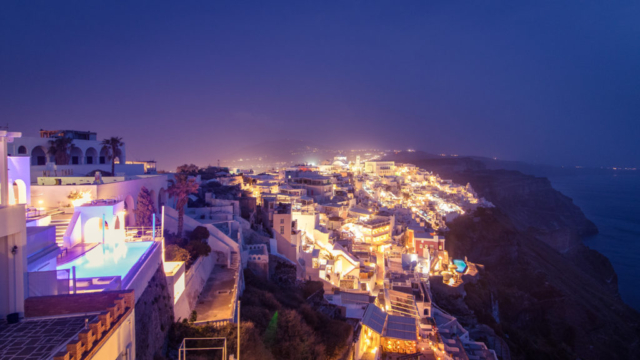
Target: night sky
[[552, 82]]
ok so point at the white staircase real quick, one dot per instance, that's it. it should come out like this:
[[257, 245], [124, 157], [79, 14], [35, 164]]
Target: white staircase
[[235, 260], [61, 222]]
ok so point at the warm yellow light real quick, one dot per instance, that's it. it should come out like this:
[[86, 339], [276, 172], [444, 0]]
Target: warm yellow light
[[84, 198]]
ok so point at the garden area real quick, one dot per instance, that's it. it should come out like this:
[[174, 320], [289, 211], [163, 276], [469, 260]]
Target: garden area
[[278, 322]]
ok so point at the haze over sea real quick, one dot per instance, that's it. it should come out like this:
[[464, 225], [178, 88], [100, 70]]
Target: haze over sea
[[612, 202]]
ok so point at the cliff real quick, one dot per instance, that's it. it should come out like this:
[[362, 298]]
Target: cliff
[[541, 304], [543, 291], [154, 316]]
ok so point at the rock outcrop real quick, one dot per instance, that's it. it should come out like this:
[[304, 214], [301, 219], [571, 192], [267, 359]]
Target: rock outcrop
[[154, 316]]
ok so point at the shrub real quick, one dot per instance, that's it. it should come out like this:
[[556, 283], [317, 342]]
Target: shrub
[[199, 233], [176, 253], [198, 248]]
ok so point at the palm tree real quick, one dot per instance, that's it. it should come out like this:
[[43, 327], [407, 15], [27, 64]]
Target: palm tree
[[60, 149], [181, 188], [112, 147]]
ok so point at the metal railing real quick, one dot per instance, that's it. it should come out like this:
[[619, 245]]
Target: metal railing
[[200, 344], [142, 233]]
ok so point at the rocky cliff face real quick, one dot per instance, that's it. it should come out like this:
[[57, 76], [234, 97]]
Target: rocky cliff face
[[543, 291], [533, 205], [543, 305], [154, 316]]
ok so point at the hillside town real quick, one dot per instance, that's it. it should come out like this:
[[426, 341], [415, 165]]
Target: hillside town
[[91, 241]]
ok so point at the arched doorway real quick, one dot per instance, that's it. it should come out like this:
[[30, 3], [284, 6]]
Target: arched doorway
[[76, 156], [104, 156], [129, 206], [22, 150], [91, 156], [38, 156], [162, 198], [20, 192]]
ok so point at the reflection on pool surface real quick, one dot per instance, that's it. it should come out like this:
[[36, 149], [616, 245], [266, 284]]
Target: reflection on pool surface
[[108, 260], [462, 266]]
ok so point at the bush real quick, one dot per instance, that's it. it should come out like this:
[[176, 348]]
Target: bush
[[176, 253], [199, 233], [198, 248]]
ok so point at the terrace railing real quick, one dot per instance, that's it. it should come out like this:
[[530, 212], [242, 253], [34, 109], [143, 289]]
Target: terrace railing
[[33, 213], [142, 233]]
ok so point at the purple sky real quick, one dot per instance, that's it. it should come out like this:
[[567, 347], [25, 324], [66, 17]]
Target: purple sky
[[549, 82]]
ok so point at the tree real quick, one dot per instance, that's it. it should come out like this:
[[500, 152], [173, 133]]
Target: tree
[[112, 147], [60, 149], [188, 169], [145, 209], [295, 339], [180, 188]]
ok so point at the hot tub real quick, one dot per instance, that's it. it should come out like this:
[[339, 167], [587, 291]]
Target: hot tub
[[461, 265]]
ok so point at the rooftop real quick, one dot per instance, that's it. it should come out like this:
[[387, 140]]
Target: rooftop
[[38, 338]]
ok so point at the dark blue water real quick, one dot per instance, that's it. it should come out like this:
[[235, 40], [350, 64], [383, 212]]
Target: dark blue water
[[612, 202]]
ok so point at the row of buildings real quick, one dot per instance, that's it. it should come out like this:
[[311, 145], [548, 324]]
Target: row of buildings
[[77, 266], [373, 232]]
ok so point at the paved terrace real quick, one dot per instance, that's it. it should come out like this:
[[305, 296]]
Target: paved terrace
[[216, 302]]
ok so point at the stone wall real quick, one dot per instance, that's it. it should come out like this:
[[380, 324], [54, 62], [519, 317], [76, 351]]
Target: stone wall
[[154, 316]]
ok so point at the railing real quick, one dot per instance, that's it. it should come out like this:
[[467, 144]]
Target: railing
[[35, 213], [142, 233], [104, 283], [53, 282], [200, 344]]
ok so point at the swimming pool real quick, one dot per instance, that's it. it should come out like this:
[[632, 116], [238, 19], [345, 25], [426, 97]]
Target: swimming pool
[[108, 260], [462, 266]]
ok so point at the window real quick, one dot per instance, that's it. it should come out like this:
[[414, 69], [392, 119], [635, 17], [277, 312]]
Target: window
[[102, 160], [75, 160], [281, 221], [282, 230]]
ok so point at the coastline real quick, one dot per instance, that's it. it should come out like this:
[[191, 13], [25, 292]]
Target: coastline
[[610, 201]]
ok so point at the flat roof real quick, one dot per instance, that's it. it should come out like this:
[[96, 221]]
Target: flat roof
[[39, 338]]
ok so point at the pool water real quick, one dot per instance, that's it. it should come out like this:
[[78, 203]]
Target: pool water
[[462, 266], [108, 260]]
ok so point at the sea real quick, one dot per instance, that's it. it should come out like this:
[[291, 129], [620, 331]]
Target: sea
[[612, 202]]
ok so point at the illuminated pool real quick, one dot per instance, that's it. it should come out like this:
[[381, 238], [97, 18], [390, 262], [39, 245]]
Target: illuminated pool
[[462, 266], [108, 260]]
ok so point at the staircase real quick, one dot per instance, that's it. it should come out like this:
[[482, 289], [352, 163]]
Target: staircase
[[235, 260], [61, 222]]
